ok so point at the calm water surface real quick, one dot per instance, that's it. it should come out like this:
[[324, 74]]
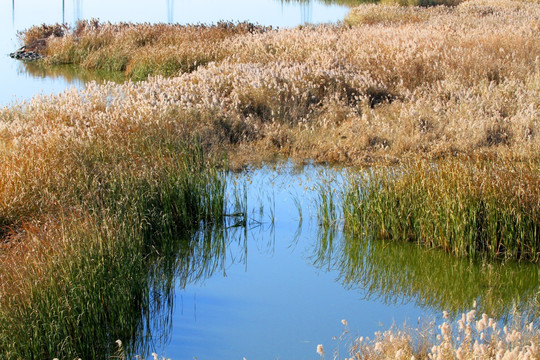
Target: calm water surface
[[273, 298], [282, 285], [17, 15]]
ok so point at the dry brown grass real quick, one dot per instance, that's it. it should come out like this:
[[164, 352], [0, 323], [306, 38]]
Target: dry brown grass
[[397, 82], [141, 50], [469, 337], [406, 82]]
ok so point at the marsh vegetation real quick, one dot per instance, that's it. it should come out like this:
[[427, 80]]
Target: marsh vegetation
[[397, 82], [86, 217], [100, 186]]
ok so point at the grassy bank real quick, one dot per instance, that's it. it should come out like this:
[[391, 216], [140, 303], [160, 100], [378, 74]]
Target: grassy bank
[[89, 208], [476, 208], [139, 50]]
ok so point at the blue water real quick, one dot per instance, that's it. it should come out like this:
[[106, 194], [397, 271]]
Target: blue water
[[17, 15], [273, 302]]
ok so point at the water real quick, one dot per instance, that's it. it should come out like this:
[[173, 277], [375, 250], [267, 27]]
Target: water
[[17, 15], [270, 300], [282, 285]]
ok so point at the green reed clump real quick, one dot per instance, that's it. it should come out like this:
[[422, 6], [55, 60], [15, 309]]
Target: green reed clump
[[477, 208], [402, 272]]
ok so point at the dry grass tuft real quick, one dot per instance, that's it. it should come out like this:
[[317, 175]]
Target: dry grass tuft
[[141, 50], [469, 337]]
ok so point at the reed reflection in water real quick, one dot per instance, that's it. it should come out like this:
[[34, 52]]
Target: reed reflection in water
[[194, 259], [395, 272], [73, 75], [77, 11]]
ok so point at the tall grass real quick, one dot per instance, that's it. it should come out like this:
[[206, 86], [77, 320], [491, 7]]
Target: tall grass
[[477, 208], [398, 82], [138, 50], [86, 281], [89, 203], [96, 181]]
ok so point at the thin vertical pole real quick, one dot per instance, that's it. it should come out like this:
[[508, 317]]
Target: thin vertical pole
[[77, 10], [170, 11], [63, 11], [13, 12], [306, 11]]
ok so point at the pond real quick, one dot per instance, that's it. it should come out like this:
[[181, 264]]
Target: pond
[[281, 283]]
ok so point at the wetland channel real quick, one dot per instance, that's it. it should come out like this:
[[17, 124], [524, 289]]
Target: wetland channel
[[278, 284]]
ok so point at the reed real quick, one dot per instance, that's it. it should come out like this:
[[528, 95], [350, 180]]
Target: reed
[[98, 180], [467, 207], [88, 207], [355, 3], [138, 50], [470, 336], [90, 283], [393, 83]]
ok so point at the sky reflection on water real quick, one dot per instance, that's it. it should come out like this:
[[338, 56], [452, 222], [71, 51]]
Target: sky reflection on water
[[280, 290], [274, 303]]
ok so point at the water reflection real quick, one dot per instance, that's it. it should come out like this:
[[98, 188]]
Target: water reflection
[[146, 327], [170, 11], [204, 274], [403, 272], [73, 75], [307, 12], [306, 9], [373, 277], [77, 11]]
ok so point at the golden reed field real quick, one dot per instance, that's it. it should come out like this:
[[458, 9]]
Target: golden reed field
[[391, 82]]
